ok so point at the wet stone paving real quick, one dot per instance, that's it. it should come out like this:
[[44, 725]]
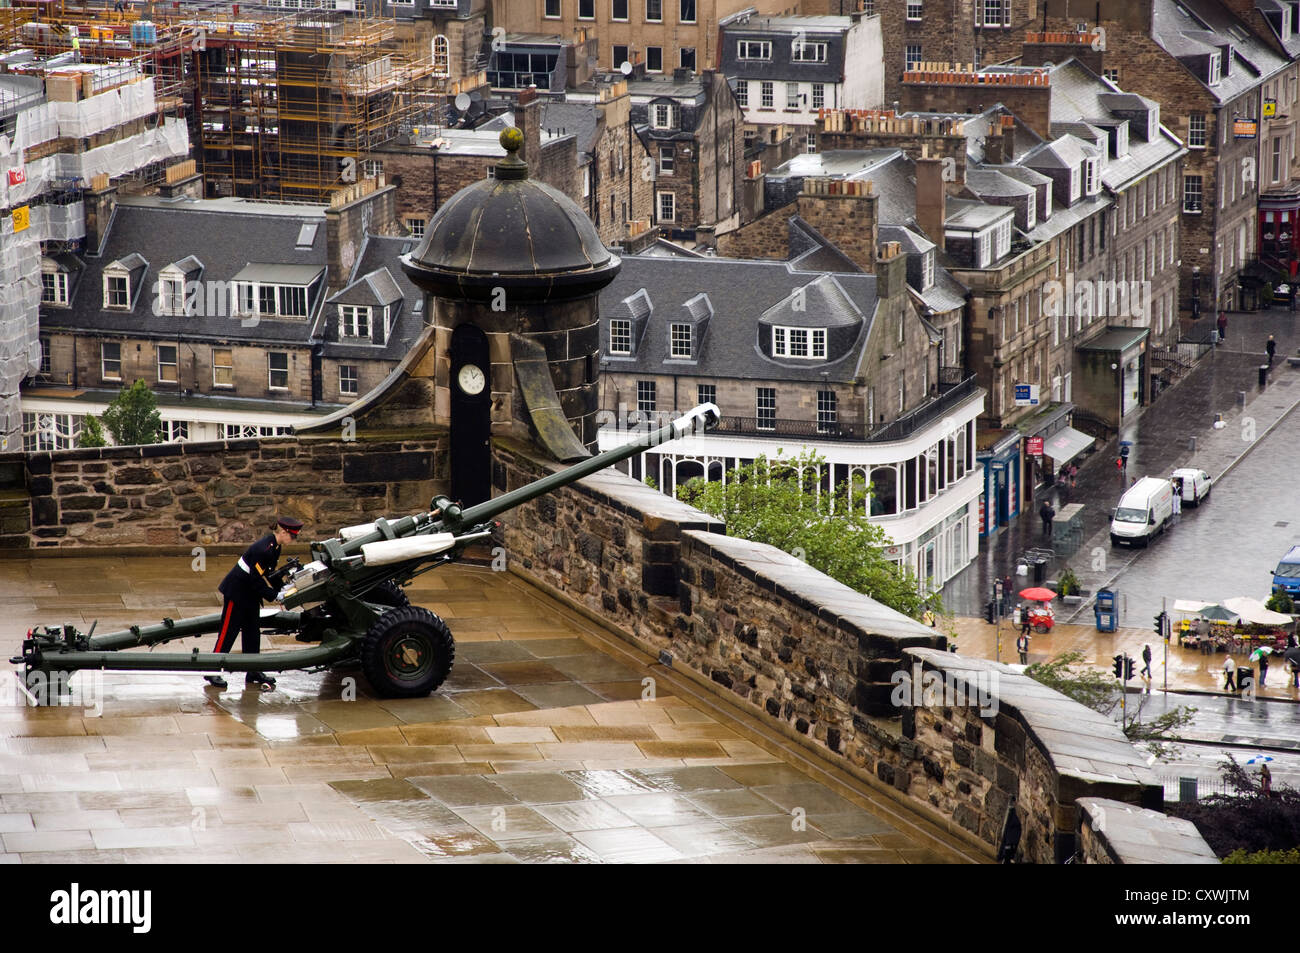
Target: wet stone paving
[[542, 746]]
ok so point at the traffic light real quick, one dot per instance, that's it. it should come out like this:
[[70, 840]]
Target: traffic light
[[1119, 666], [1128, 668], [1160, 626]]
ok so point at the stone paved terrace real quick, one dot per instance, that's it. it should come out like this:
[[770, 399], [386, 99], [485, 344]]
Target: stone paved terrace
[[539, 748]]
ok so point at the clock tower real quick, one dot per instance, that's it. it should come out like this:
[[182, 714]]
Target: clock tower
[[512, 270]]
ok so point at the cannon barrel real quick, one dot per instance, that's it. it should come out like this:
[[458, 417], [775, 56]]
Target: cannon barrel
[[706, 414]]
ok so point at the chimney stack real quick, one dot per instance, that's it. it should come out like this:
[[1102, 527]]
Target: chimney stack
[[931, 198]]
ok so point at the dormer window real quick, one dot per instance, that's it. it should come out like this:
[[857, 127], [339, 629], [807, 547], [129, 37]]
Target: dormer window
[[808, 344], [54, 284], [681, 340], [662, 116], [170, 290], [927, 270], [1074, 184], [1214, 74], [1092, 183], [802, 51], [354, 321], [1031, 212], [620, 336], [753, 50], [275, 291]]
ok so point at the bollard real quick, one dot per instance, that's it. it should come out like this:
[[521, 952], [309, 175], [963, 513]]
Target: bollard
[[1263, 375], [1241, 397], [1191, 444]]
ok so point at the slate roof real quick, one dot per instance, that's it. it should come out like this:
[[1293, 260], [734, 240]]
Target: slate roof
[[380, 259], [574, 119], [740, 291], [1197, 27], [780, 32], [226, 235]]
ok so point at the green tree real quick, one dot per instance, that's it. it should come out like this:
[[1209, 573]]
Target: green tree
[[132, 417], [1097, 691], [92, 433], [777, 502]]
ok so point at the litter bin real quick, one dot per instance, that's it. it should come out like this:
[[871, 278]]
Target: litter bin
[[1245, 678], [1040, 571]]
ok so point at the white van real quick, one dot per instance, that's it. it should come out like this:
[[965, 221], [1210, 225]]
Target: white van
[[1195, 485], [1143, 512]]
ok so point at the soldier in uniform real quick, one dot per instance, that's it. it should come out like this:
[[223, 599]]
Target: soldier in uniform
[[244, 588]]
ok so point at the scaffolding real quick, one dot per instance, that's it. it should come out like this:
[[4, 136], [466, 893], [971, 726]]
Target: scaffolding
[[280, 105]]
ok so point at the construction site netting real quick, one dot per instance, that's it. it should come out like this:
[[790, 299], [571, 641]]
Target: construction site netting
[[20, 345]]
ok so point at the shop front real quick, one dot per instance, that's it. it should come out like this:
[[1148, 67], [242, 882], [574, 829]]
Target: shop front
[[999, 451]]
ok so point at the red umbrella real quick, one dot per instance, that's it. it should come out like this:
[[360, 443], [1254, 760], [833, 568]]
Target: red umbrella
[[1038, 594]]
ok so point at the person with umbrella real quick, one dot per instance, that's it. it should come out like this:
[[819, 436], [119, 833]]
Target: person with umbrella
[[1260, 655], [1292, 656]]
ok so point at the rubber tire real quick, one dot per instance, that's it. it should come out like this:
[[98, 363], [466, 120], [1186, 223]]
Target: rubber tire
[[388, 593], [1041, 629], [430, 635]]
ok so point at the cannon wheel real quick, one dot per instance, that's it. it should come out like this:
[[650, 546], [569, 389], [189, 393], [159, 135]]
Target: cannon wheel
[[1040, 628], [388, 593], [407, 653]]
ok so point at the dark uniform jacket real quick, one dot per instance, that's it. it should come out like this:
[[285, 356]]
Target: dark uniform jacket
[[260, 558]]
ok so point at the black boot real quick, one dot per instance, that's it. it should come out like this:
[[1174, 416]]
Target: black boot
[[216, 681], [263, 681]]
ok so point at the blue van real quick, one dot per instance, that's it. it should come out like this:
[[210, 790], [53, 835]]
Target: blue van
[[1287, 574]]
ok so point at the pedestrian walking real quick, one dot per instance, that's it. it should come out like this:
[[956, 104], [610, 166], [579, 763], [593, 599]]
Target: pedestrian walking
[[1223, 326], [1146, 661], [1265, 781], [1074, 475], [1120, 464], [1263, 668], [1022, 646], [1026, 626], [1006, 593], [1178, 499], [1048, 513], [1229, 674]]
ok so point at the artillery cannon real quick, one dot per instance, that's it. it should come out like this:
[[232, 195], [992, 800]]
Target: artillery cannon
[[348, 597]]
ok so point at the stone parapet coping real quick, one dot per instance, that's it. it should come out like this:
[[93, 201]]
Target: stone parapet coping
[[1080, 743], [1136, 835]]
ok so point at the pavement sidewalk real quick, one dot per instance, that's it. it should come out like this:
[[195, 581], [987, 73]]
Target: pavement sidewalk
[[1223, 386]]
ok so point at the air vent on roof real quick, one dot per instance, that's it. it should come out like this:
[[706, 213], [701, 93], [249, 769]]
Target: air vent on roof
[[307, 235]]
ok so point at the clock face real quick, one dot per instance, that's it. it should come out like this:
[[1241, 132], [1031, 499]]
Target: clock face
[[471, 379]]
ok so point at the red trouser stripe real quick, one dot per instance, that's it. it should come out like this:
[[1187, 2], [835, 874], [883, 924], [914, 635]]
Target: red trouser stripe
[[225, 637]]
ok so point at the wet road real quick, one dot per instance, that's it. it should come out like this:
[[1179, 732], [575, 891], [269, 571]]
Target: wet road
[[1229, 546]]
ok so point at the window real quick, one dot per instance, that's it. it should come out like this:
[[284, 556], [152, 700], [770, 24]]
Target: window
[[667, 206], [171, 296], [645, 397], [805, 52], [663, 116], [818, 95], [804, 343], [913, 55], [1111, 74], [791, 96], [810, 141], [117, 291], [174, 431], [1213, 78], [766, 405], [767, 97], [667, 160], [1092, 183], [927, 270], [1277, 158], [54, 284], [354, 321], [586, 9], [742, 94], [1191, 193], [753, 50], [1196, 131], [992, 13], [707, 394], [45, 355], [620, 336], [827, 411], [235, 431], [654, 11], [553, 9], [285, 301], [223, 367], [686, 11], [686, 56], [654, 59], [620, 55], [680, 340], [277, 363], [416, 226], [374, 168], [50, 431], [166, 363], [618, 9], [348, 379], [110, 360], [913, 10]]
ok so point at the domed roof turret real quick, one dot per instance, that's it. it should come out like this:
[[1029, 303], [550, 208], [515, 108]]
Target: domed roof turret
[[513, 233]]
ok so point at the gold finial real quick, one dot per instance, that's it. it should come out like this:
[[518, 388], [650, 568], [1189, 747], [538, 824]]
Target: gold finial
[[511, 167]]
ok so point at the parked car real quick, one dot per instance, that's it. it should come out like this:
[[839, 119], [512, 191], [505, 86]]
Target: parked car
[[1193, 485], [1143, 512]]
